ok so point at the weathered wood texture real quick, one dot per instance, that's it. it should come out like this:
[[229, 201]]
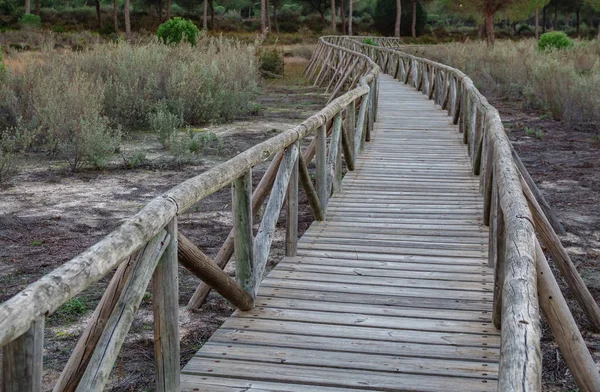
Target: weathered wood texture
[[165, 303], [79, 359], [102, 360], [392, 291], [22, 361], [564, 329]]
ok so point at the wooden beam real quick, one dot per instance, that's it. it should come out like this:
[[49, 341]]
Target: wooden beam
[[564, 328], [264, 236], [226, 251], [80, 357], [291, 232], [333, 152], [560, 256], [212, 274], [245, 264], [22, 361], [347, 147], [552, 218], [165, 303], [321, 165], [102, 361], [311, 193]]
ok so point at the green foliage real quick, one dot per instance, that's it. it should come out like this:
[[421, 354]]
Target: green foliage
[[30, 21], [70, 311], [271, 62], [554, 40], [165, 124], [370, 41], [135, 160], [177, 30]]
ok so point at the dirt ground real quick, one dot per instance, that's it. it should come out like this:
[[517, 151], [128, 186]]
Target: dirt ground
[[50, 215], [565, 164]]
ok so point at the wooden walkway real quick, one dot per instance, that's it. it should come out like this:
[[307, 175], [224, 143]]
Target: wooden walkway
[[391, 293]]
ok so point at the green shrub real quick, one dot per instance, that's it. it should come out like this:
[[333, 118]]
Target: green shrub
[[30, 21], [164, 124], [177, 30], [554, 40], [135, 160], [271, 63], [10, 141], [370, 41], [70, 116]]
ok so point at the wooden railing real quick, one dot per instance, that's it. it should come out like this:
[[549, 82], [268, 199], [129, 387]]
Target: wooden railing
[[149, 245], [514, 210]]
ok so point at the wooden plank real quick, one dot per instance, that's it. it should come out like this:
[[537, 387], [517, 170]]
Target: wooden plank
[[337, 377], [350, 361], [357, 345], [264, 236]]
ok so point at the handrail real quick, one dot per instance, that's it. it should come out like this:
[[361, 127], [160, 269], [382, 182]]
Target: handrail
[[514, 216], [148, 243]]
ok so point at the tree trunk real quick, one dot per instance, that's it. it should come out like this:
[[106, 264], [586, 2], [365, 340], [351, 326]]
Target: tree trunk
[[37, 7], [489, 26], [98, 16], [159, 7], [168, 9], [275, 18], [263, 18], [544, 21], [205, 16], [212, 14], [414, 19], [333, 21], [537, 24], [350, 10], [27, 6], [398, 18], [268, 6], [127, 22], [480, 31], [578, 21], [323, 20], [115, 16], [343, 14], [555, 18]]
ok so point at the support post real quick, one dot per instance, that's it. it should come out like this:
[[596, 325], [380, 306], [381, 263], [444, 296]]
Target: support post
[[165, 300], [242, 232], [291, 233], [22, 361], [321, 165]]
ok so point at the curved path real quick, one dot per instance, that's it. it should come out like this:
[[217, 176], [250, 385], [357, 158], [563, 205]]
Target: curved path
[[392, 292]]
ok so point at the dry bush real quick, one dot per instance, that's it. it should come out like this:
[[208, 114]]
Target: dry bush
[[77, 103], [565, 83]]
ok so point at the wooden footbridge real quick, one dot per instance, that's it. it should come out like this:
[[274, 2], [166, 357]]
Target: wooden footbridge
[[421, 272]]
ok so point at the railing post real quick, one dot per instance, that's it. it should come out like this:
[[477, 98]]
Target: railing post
[[165, 298], [242, 231], [22, 361], [496, 254], [291, 233], [321, 165]]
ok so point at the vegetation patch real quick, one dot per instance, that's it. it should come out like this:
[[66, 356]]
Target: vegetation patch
[[78, 105], [554, 40]]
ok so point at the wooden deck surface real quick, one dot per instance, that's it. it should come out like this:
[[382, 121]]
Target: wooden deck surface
[[391, 293]]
